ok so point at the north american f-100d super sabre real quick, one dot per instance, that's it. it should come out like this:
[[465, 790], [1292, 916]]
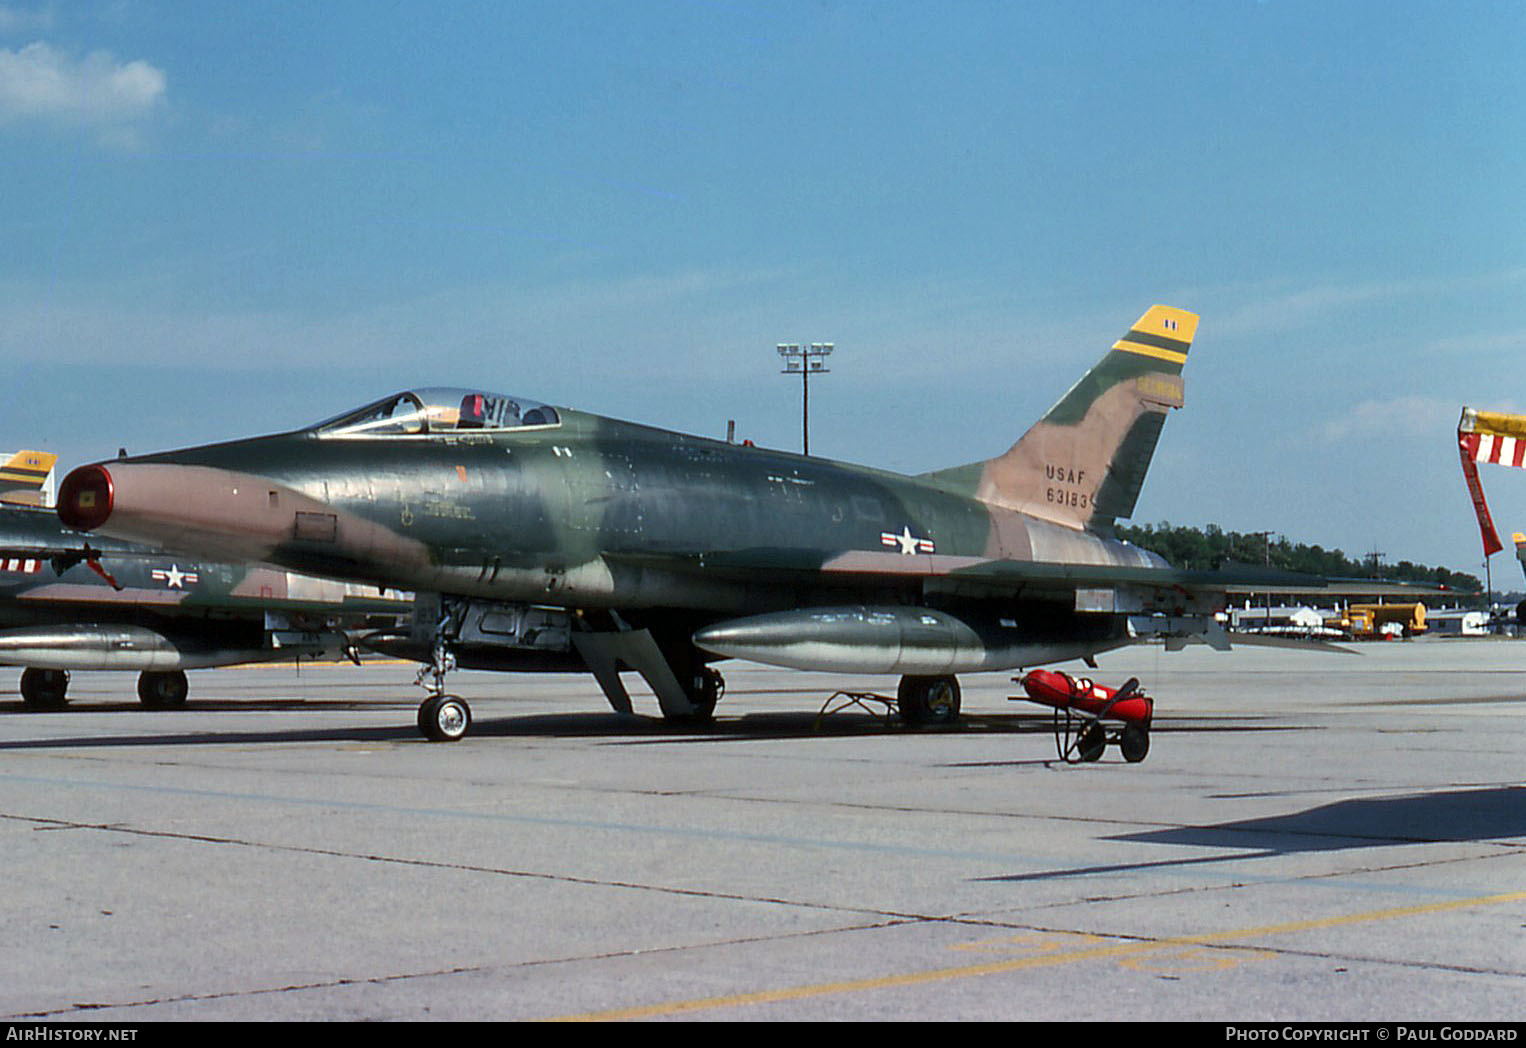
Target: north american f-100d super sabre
[[539, 537]]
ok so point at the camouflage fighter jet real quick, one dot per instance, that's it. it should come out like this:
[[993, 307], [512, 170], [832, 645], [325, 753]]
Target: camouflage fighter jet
[[539, 537], [73, 602]]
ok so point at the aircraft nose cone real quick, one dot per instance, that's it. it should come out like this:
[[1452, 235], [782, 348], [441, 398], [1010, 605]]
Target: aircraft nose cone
[[230, 515], [85, 498]]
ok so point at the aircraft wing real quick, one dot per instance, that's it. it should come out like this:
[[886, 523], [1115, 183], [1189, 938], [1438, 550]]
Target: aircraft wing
[[980, 577], [988, 577]]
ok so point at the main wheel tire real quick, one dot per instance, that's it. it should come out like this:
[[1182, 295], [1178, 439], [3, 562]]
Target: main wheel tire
[[162, 690], [444, 718], [44, 689], [928, 700], [708, 688]]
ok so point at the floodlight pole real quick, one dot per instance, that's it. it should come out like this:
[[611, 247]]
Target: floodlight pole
[[805, 361]]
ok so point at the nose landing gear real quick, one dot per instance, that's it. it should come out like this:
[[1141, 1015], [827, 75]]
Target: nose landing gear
[[442, 717]]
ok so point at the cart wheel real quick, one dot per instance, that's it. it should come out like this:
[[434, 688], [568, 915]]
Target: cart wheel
[[1092, 742], [1135, 743]]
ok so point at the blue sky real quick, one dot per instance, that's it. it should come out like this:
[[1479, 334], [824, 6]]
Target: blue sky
[[221, 219]]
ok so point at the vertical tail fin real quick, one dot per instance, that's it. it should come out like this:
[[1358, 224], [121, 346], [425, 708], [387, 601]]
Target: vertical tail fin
[[26, 478], [1082, 465]]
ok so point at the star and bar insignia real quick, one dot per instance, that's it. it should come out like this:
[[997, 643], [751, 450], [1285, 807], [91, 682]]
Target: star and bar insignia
[[174, 578], [906, 542]]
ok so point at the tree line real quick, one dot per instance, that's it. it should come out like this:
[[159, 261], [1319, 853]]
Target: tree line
[[1205, 549]]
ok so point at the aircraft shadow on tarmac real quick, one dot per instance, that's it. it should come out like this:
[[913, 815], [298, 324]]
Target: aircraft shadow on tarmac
[[632, 729], [1495, 813], [1485, 813]]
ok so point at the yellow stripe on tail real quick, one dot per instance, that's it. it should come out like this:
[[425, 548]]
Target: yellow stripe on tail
[[26, 478]]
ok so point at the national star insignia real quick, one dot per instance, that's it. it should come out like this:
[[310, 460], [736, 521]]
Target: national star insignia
[[906, 542], [174, 578]]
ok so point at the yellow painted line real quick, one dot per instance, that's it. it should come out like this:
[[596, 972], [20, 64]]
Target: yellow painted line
[[1123, 949], [1169, 355], [312, 664]]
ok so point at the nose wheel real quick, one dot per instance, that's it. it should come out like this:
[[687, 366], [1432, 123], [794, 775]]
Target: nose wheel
[[444, 718]]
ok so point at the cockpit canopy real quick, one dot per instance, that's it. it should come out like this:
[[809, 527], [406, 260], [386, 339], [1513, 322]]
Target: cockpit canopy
[[438, 410]]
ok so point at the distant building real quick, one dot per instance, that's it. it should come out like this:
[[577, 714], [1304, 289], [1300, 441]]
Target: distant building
[[1457, 622], [1289, 621]]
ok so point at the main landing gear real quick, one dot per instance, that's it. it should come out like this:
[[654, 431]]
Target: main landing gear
[[162, 690], [928, 701], [706, 686]]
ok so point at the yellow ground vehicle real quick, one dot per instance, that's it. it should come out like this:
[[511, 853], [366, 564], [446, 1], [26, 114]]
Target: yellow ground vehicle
[[1372, 621]]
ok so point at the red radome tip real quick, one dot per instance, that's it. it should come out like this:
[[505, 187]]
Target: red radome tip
[[85, 497]]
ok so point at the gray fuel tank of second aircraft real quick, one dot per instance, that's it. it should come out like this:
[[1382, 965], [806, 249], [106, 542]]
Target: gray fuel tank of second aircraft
[[903, 640]]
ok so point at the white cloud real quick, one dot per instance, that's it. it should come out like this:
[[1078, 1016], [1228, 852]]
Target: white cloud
[[39, 82], [1382, 419]]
